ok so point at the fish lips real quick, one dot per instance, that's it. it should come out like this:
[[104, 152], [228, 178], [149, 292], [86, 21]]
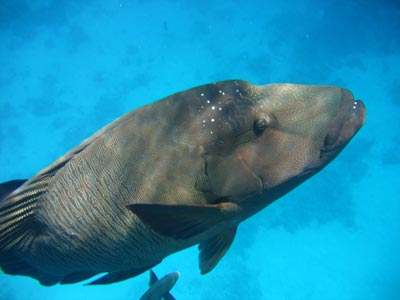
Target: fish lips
[[344, 126], [349, 119]]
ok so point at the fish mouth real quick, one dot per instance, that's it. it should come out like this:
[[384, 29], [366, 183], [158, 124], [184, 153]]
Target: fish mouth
[[344, 125]]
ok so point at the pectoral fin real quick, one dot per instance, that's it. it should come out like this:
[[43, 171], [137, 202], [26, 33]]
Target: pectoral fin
[[212, 250], [183, 221]]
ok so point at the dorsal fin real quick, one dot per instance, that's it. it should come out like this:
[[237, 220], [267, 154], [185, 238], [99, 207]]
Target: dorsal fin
[[17, 223], [153, 278], [18, 228], [16, 216]]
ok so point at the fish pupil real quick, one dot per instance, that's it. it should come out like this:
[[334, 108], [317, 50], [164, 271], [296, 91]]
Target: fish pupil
[[260, 125]]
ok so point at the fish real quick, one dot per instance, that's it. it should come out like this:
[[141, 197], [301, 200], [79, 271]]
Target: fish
[[159, 288], [182, 171]]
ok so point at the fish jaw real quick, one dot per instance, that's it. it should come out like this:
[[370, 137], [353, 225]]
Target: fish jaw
[[344, 126]]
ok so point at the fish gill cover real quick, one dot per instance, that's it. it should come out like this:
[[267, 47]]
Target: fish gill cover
[[70, 67]]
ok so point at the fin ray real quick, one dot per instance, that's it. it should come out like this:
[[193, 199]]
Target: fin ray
[[17, 222], [212, 250]]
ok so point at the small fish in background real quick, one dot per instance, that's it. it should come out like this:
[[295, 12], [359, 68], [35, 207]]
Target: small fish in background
[[159, 288]]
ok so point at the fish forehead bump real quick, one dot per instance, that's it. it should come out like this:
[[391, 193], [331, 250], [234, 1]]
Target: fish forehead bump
[[300, 99], [304, 110], [213, 113]]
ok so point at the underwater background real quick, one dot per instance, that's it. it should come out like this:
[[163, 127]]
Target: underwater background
[[67, 68]]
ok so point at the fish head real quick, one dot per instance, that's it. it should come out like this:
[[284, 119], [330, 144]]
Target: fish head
[[171, 279], [174, 277], [279, 136], [300, 130]]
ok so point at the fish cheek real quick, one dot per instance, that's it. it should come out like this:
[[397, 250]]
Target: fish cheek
[[230, 177]]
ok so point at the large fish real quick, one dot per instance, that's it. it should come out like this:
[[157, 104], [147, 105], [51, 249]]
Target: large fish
[[182, 171]]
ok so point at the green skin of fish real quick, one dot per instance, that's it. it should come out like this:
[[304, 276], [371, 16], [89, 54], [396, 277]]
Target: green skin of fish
[[185, 170]]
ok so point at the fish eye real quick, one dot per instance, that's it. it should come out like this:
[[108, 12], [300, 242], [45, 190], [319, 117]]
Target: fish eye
[[261, 124]]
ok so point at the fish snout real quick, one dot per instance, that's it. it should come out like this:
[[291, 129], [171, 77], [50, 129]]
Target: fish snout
[[349, 119]]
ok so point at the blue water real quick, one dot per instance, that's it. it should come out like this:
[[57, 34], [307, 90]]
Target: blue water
[[67, 68]]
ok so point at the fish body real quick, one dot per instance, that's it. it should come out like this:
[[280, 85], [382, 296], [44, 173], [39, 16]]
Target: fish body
[[159, 288], [185, 170]]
